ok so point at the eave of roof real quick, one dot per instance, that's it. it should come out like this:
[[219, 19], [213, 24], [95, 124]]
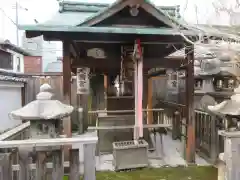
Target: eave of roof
[[13, 47], [200, 53], [113, 30], [230, 32], [193, 31], [12, 79], [6, 75]]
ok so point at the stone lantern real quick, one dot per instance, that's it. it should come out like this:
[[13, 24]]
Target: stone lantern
[[45, 114], [230, 111], [229, 162]]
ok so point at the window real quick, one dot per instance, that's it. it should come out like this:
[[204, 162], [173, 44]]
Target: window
[[224, 83], [6, 60], [18, 64], [198, 84]]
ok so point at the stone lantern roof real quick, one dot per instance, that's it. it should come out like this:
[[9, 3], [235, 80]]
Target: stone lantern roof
[[228, 107], [43, 108]]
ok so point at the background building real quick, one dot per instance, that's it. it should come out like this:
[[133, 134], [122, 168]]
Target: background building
[[44, 49]]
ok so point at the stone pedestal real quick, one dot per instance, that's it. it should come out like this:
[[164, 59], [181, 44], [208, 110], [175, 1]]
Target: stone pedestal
[[130, 155], [231, 154]]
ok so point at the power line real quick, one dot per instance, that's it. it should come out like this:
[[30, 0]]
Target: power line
[[15, 22], [5, 14]]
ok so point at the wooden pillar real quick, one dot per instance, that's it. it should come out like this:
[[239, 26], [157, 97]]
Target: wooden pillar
[[105, 90], [84, 104], [190, 146], [150, 96], [140, 96], [145, 91], [67, 85], [136, 128]]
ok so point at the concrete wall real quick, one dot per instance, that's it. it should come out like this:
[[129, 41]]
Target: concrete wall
[[10, 99], [38, 47]]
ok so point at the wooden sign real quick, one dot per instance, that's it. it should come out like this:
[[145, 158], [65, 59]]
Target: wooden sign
[[96, 53], [83, 80]]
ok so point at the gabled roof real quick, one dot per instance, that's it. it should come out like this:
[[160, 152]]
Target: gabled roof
[[120, 4], [74, 24], [75, 13]]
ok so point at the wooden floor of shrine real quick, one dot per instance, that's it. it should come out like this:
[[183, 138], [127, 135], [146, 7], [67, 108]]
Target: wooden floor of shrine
[[172, 156]]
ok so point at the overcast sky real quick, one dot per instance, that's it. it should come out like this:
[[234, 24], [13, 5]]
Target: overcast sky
[[42, 10]]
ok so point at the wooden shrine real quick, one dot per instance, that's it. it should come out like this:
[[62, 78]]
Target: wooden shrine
[[124, 40]]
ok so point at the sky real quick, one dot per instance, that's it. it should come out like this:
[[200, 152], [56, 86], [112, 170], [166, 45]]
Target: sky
[[192, 11]]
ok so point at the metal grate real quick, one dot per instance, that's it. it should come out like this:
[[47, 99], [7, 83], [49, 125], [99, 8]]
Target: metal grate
[[129, 144]]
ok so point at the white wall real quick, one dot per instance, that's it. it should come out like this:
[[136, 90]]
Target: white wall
[[10, 99]]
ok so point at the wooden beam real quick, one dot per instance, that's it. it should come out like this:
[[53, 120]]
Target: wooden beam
[[108, 37], [113, 51], [72, 51], [190, 145], [128, 127], [96, 63], [75, 49], [150, 95], [48, 142], [107, 63], [105, 89]]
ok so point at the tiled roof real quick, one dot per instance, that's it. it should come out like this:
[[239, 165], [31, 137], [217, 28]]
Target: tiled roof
[[11, 78], [6, 75], [200, 52], [74, 13], [6, 44]]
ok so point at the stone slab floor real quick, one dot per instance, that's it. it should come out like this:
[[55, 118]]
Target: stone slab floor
[[172, 156]]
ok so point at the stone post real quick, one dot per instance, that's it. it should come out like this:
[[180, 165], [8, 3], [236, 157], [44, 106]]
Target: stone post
[[230, 157]]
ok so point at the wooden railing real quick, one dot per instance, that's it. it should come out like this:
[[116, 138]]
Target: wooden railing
[[161, 117], [208, 143], [46, 163], [17, 133], [172, 114], [113, 128]]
